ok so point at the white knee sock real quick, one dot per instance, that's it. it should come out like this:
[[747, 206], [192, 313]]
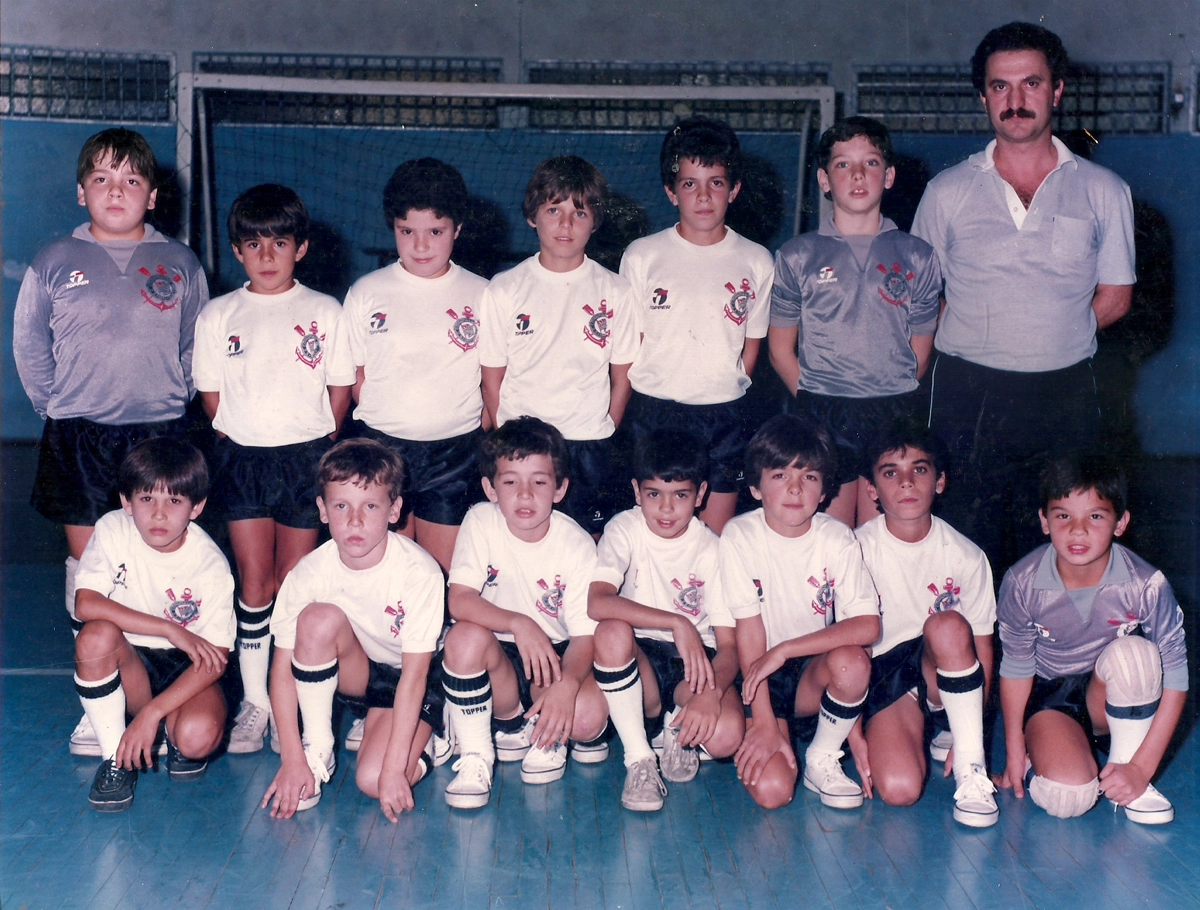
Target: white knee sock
[[254, 651], [622, 688], [469, 699], [315, 688], [962, 697], [104, 704], [1128, 727], [834, 724]]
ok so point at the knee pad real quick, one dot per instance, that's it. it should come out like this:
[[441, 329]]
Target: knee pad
[[1064, 800], [1131, 670]]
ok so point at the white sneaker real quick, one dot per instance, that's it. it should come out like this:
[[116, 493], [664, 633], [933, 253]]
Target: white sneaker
[[515, 746], [84, 740], [355, 734], [322, 766], [644, 789], [544, 766], [679, 763], [249, 729], [823, 775], [1151, 808], [940, 745], [441, 749], [473, 785], [974, 802], [592, 753]]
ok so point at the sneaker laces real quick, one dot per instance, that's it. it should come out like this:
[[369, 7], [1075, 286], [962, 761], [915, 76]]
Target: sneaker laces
[[643, 773], [317, 764], [975, 785], [248, 717], [473, 766], [113, 774], [828, 763]]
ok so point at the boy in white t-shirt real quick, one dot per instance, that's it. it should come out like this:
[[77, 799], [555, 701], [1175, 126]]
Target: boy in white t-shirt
[[662, 620], [557, 334], [360, 616], [702, 295], [414, 334], [520, 649], [806, 611], [154, 597], [938, 611], [272, 365]]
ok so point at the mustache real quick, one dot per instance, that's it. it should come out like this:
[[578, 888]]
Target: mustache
[[1023, 113]]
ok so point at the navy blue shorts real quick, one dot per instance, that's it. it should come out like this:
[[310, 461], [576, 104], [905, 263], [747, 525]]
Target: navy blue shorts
[[783, 685], [382, 681], [592, 497], [894, 675], [853, 424], [1067, 695], [723, 428], [441, 476], [668, 667], [523, 682], [79, 461], [277, 482], [163, 666]]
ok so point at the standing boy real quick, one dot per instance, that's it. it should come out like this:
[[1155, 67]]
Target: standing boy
[[154, 605], [1093, 643], [520, 649], [102, 338], [938, 613], [854, 308], [359, 616], [702, 294], [273, 369], [558, 334], [666, 651], [806, 611]]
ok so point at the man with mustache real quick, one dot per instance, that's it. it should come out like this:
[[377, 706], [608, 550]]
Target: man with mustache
[[1036, 247]]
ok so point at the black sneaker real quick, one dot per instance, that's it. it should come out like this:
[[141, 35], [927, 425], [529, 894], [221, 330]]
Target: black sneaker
[[181, 768], [112, 788]]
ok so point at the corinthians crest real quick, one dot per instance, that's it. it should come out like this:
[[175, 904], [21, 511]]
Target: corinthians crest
[[894, 288], [596, 330], [161, 290], [182, 610], [551, 601], [397, 614], [465, 330], [312, 345], [690, 599], [946, 597], [822, 604], [739, 303]]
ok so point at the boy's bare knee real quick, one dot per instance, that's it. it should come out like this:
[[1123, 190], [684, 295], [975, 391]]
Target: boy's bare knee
[[725, 741], [97, 640], [318, 622], [774, 790], [466, 645], [849, 668], [948, 633], [897, 789], [613, 641], [197, 736], [591, 716], [367, 779]]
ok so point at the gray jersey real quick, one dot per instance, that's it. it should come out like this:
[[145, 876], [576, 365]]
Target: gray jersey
[[855, 321], [1048, 630], [104, 331]]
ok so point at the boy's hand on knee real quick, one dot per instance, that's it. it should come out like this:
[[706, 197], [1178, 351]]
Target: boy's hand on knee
[[858, 749], [555, 713], [762, 741], [760, 671], [137, 743], [697, 720], [540, 660], [395, 793], [293, 781], [1123, 783], [697, 669], [204, 655]]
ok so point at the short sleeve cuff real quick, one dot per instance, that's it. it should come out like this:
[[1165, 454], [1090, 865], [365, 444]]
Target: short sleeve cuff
[[1012, 668]]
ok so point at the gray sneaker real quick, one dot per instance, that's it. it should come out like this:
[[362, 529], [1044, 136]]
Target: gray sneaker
[[679, 763], [249, 729], [644, 789]]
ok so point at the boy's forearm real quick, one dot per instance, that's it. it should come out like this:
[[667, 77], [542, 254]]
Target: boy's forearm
[[577, 659], [781, 350], [1162, 728], [1014, 696], [92, 605], [284, 705], [360, 376], [470, 606], [339, 403], [985, 654], [922, 347], [750, 349], [725, 664], [406, 709], [751, 637], [190, 683], [620, 391], [605, 603], [210, 401], [491, 380], [857, 630]]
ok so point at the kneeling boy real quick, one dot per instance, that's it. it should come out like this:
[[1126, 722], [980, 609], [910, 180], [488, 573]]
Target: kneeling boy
[[806, 611], [521, 645], [665, 640], [360, 616], [155, 597], [938, 614], [1093, 643]]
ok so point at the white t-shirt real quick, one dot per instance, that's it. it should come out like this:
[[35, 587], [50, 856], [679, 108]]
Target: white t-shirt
[[798, 585], [557, 333], [272, 356], [696, 306], [192, 586], [417, 341], [546, 581], [945, 571], [676, 576], [393, 607]]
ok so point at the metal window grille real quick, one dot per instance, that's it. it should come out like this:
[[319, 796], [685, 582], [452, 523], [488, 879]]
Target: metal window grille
[[1102, 98], [351, 110], [49, 84], [614, 114]]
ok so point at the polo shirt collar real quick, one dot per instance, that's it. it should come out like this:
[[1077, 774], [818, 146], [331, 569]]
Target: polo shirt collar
[[986, 160], [1046, 578], [829, 229]]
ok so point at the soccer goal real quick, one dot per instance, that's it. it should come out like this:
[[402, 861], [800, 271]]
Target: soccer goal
[[336, 137]]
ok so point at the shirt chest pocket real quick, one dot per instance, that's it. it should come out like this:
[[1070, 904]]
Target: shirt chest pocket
[[1073, 238]]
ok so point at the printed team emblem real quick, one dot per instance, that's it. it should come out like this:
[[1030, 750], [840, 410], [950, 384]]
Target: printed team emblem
[[826, 276], [690, 599], [739, 303], [523, 324], [596, 330], [822, 604], [465, 331], [182, 610], [1043, 631], [552, 600], [894, 288], [378, 323], [397, 614], [758, 588], [234, 345], [945, 597], [76, 280], [1128, 627], [119, 578], [160, 290], [311, 347], [659, 301], [492, 574]]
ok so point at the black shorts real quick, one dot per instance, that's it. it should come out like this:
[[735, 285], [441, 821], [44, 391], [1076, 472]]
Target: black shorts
[[163, 666], [523, 682], [723, 428], [1067, 695], [382, 681], [78, 464], [668, 667], [441, 476], [783, 685], [277, 482], [592, 495], [894, 675], [854, 423]]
